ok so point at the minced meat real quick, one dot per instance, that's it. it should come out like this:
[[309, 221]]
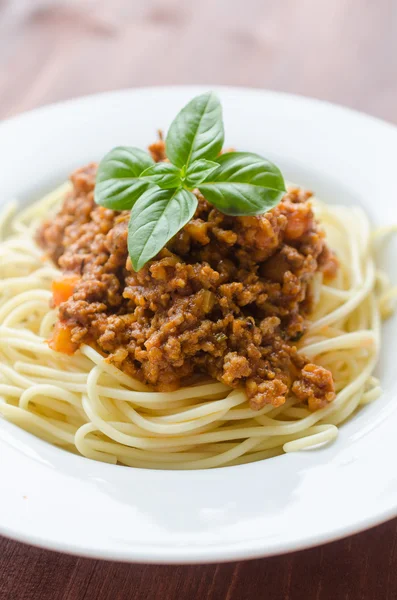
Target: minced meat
[[227, 297]]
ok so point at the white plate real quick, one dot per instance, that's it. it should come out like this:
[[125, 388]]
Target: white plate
[[57, 500]]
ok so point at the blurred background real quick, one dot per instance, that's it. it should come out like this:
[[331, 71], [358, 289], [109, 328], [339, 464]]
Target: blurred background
[[344, 51]]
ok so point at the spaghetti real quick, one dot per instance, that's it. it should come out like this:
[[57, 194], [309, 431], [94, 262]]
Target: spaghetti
[[86, 405]]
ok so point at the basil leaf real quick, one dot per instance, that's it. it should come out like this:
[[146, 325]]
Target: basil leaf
[[196, 132], [244, 184], [118, 180], [198, 171], [163, 174], [155, 218]]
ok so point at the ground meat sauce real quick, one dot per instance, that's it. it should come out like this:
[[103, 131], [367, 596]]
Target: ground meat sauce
[[226, 297]]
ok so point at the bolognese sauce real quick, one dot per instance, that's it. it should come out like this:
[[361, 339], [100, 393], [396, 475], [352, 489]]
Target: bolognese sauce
[[227, 297]]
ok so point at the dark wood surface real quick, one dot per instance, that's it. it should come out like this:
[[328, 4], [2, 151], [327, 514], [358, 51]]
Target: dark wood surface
[[344, 51], [360, 567]]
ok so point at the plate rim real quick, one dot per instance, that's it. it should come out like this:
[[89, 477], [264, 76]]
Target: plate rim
[[200, 88]]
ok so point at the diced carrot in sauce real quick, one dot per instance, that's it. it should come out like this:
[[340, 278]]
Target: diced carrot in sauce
[[297, 225], [61, 340], [63, 288]]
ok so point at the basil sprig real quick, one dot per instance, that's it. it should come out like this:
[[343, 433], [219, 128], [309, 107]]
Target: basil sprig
[[119, 181], [160, 194], [243, 184], [155, 218]]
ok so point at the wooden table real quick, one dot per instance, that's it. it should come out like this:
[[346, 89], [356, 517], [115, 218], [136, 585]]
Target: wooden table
[[341, 50]]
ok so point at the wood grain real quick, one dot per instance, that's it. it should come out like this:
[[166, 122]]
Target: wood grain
[[340, 50], [358, 568]]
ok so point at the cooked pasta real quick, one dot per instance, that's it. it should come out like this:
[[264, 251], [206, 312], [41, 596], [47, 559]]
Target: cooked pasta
[[86, 405]]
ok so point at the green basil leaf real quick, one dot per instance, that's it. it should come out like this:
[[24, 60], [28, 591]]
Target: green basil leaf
[[163, 174], [155, 218], [198, 171], [196, 132], [118, 180], [244, 184]]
